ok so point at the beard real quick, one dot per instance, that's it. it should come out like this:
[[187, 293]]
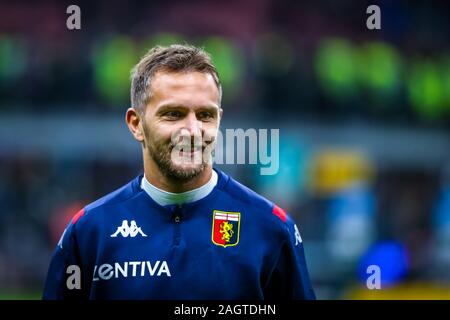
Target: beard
[[162, 152]]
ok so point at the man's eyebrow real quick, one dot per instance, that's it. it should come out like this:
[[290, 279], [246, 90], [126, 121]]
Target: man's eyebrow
[[208, 108], [169, 106]]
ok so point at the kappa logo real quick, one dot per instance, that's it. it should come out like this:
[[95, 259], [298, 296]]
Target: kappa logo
[[132, 230]]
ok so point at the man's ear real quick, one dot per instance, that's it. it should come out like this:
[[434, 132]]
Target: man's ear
[[133, 120], [220, 112]]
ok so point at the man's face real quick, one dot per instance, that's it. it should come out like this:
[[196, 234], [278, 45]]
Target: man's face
[[181, 121]]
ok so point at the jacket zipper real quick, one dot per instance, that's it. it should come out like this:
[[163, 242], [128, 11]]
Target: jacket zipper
[[177, 214]]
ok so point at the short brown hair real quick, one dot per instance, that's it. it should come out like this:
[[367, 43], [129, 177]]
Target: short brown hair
[[175, 58]]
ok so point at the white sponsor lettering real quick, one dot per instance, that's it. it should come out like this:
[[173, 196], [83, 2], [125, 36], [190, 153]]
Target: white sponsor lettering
[[130, 269]]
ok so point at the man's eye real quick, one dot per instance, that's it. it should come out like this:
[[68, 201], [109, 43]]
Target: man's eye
[[173, 114], [205, 115]]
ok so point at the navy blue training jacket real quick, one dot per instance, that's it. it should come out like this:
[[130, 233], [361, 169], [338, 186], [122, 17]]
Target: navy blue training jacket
[[232, 244]]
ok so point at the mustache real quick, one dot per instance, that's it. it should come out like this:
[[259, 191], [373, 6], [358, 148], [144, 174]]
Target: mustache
[[190, 142]]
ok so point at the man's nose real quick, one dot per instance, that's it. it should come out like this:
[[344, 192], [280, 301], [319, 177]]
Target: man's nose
[[193, 125]]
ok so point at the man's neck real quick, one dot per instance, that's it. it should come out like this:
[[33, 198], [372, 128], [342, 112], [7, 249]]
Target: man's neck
[[164, 198]]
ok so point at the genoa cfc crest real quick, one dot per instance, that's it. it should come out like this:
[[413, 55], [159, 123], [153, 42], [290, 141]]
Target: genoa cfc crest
[[225, 229]]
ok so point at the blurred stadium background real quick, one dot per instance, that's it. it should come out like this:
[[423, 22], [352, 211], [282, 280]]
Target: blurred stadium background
[[364, 119]]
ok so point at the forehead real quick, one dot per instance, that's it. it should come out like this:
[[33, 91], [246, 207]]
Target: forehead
[[186, 88]]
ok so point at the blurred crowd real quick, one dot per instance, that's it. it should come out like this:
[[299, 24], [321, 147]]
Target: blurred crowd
[[315, 58], [364, 119]]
